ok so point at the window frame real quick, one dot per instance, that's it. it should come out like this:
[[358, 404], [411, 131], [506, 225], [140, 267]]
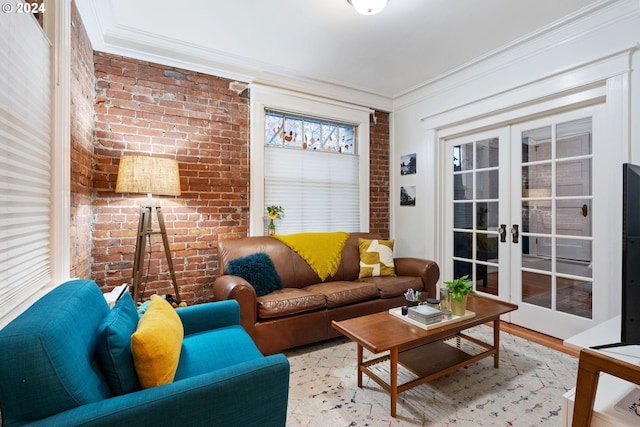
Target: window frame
[[267, 98], [57, 26]]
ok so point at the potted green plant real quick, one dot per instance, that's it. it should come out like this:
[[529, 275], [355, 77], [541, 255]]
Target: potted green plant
[[459, 289]]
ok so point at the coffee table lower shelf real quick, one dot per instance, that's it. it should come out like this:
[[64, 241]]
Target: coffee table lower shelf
[[424, 363]]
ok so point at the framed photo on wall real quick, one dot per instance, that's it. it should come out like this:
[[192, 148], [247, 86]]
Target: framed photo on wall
[[408, 195], [408, 164]]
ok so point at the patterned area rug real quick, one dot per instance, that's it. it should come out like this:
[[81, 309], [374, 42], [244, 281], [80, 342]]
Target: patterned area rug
[[525, 391]]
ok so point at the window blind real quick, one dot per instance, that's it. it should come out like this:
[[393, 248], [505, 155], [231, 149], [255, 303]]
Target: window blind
[[25, 157], [319, 191]]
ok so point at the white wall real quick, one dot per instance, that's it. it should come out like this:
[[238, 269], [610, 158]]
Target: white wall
[[562, 57]]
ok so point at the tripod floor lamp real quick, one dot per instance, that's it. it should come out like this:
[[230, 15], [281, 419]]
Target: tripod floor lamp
[[150, 175]]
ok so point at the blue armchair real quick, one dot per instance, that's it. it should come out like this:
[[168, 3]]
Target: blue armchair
[[50, 375]]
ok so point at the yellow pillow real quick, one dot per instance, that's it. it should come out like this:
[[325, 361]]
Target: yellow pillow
[[156, 344], [376, 258]]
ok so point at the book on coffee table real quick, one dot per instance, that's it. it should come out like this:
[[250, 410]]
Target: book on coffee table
[[424, 314], [397, 312]]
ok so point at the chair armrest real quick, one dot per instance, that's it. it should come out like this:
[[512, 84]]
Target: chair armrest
[[228, 287], [426, 269], [252, 393], [207, 316]]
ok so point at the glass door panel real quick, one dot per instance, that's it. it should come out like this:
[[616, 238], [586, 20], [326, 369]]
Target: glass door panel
[[476, 185]]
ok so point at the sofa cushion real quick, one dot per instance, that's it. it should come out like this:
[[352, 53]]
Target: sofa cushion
[[156, 344], [390, 287], [288, 301], [343, 293], [258, 270], [376, 258], [114, 346]]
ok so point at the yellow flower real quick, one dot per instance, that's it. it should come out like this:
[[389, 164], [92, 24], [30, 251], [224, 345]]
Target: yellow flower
[[275, 212]]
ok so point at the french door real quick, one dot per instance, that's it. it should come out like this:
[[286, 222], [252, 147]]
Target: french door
[[552, 202], [519, 218]]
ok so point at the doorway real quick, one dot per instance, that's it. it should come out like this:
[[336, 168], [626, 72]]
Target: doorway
[[519, 209]]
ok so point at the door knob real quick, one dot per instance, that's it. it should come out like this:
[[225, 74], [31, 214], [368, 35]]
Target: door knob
[[585, 210], [503, 232], [515, 233]]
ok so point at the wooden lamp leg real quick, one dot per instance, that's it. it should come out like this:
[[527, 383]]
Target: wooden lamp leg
[[167, 252], [144, 227], [144, 231]]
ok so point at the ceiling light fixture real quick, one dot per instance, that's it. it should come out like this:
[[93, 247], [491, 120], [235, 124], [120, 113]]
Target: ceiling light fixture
[[368, 7]]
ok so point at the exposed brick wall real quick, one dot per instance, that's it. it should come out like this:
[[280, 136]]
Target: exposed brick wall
[[82, 95], [145, 108], [379, 175], [202, 121]]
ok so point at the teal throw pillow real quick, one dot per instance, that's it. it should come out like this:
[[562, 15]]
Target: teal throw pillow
[[257, 269], [114, 346]]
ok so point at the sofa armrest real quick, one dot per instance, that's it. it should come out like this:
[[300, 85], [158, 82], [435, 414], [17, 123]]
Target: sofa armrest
[[426, 269], [227, 287], [252, 393], [212, 315]]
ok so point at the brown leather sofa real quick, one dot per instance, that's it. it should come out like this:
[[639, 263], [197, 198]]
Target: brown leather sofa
[[301, 312]]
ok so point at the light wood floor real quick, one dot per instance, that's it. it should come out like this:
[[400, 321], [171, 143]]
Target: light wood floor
[[538, 338]]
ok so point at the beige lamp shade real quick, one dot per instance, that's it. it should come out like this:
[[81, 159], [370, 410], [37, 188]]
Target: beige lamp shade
[[150, 175]]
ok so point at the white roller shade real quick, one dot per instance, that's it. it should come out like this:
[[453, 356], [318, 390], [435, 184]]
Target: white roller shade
[[25, 158], [319, 191]]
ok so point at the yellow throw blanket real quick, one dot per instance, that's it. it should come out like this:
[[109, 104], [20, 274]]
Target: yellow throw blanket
[[322, 251]]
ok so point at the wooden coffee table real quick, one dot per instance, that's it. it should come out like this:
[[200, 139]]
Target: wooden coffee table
[[428, 354]]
